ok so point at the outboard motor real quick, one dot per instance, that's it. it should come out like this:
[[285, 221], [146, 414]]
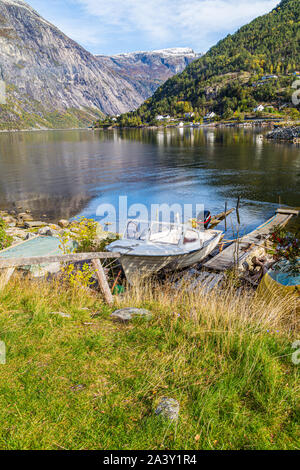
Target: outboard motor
[[206, 221]]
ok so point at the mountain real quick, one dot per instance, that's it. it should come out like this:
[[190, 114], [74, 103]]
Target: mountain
[[146, 71], [51, 81], [231, 76]]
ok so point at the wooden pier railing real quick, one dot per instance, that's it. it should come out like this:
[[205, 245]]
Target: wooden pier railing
[[11, 263]]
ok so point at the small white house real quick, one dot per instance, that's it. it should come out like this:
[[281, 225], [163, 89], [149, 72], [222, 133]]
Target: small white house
[[259, 109], [163, 118]]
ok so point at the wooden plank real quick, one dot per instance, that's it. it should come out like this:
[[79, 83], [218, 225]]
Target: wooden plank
[[216, 219], [287, 211], [8, 263], [103, 281]]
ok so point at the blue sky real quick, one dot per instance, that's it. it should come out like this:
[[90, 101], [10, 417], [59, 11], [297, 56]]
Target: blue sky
[[113, 26]]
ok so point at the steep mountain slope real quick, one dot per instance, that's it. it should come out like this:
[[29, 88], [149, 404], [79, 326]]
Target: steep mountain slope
[[146, 71], [225, 79], [51, 80]]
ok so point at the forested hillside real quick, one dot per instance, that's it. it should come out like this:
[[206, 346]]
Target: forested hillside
[[231, 77]]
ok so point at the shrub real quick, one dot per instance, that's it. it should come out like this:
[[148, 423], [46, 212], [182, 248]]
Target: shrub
[[5, 240]]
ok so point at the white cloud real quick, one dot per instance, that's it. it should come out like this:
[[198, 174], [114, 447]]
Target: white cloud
[[188, 22]]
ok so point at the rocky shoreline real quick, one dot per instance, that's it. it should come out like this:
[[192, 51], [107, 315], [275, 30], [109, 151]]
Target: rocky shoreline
[[285, 134], [22, 226]]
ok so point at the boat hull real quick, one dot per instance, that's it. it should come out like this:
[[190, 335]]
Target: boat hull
[[140, 267]]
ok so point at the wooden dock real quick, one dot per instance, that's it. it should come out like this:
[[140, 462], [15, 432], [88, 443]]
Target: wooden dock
[[239, 250]]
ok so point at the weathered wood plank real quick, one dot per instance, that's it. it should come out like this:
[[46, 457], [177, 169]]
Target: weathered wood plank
[[104, 286], [15, 262], [287, 211], [216, 219]]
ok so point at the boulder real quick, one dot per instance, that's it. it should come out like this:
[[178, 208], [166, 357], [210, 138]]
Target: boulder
[[168, 408], [34, 224], [63, 223], [47, 231], [127, 314], [25, 217]]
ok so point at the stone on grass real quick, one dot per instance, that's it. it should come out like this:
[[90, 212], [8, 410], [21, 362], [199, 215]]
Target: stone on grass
[[168, 408], [61, 314], [127, 314]]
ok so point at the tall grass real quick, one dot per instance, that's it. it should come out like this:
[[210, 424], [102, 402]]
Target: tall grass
[[86, 382]]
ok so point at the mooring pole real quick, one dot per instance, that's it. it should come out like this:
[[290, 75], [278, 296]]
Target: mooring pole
[[238, 209]]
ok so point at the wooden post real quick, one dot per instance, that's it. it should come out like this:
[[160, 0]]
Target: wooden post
[[103, 281], [5, 276], [238, 209], [226, 216]]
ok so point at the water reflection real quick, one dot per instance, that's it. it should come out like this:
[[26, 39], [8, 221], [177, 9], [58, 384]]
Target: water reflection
[[62, 173]]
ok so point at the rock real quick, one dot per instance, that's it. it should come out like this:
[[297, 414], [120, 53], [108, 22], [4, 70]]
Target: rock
[[25, 217], [47, 231], [55, 227], [10, 221], [63, 223], [290, 134], [34, 224], [61, 314], [30, 235], [42, 270], [127, 314], [16, 232], [168, 408]]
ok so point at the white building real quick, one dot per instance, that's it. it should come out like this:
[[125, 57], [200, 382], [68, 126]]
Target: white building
[[259, 109], [189, 115]]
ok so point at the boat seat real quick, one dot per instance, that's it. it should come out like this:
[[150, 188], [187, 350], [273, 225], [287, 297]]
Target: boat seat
[[189, 240]]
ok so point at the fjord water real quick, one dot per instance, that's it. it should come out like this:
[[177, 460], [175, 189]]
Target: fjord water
[[66, 173]]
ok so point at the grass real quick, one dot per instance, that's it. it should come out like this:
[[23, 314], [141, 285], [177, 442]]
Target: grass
[[86, 382]]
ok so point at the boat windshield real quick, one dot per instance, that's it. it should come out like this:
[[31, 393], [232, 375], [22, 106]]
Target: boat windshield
[[160, 232]]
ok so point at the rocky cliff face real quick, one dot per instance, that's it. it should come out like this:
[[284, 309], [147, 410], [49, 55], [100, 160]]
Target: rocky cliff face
[[51, 81], [47, 73], [146, 71]]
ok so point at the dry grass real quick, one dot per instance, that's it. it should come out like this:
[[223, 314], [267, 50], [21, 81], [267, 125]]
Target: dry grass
[[87, 383]]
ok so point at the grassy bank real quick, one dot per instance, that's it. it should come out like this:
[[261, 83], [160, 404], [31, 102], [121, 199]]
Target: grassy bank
[[85, 382]]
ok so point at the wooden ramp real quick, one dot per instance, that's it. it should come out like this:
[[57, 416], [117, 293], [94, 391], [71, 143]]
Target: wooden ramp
[[237, 252]]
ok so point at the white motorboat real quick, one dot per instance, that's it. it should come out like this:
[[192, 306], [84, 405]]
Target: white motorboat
[[147, 248]]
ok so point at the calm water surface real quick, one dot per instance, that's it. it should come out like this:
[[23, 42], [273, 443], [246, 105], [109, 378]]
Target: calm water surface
[[65, 173]]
